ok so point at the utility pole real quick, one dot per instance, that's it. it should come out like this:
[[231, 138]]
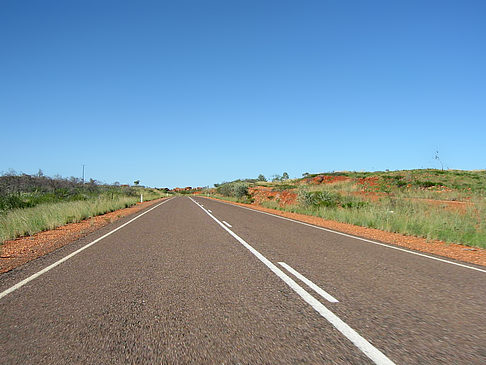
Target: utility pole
[[83, 174]]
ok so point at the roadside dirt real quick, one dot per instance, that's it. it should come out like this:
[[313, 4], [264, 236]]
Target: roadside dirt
[[325, 179], [24, 249], [472, 255], [283, 197]]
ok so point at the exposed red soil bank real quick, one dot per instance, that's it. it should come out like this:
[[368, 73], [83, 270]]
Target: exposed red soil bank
[[284, 197], [22, 250], [289, 197], [325, 179], [454, 251]]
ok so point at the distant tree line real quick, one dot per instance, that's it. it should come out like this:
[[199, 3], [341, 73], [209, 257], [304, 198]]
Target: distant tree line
[[11, 183], [20, 190], [260, 178]]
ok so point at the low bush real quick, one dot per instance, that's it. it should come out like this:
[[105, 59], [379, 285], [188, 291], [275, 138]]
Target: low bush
[[225, 189], [328, 199], [8, 202], [318, 198], [238, 190]]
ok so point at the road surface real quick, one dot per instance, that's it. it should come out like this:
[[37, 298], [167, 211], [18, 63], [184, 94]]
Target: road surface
[[193, 280]]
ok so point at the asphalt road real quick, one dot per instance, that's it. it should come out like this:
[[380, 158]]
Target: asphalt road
[[202, 281]]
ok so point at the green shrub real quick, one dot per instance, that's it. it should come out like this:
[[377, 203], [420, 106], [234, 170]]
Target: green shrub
[[8, 202], [225, 189], [318, 198], [427, 184], [238, 190]]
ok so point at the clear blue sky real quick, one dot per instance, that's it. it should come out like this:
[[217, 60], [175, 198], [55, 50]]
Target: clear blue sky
[[178, 93]]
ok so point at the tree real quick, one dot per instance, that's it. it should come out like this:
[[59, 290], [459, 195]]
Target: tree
[[136, 182], [305, 174], [277, 178], [285, 176], [261, 178]]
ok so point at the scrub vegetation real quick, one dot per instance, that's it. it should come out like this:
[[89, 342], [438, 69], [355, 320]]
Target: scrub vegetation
[[448, 205], [237, 189], [34, 203]]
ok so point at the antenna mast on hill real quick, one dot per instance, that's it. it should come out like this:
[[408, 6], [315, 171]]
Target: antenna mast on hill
[[436, 157]]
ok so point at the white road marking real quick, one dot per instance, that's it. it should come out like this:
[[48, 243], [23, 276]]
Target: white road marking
[[46, 269], [229, 225], [367, 348], [309, 283], [358, 238]]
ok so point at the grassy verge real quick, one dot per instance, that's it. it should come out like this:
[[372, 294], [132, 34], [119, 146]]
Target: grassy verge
[[407, 217], [448, 205], [27, 221], [403, 216]]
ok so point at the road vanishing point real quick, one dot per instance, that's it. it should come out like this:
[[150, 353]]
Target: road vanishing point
[[195, 280]]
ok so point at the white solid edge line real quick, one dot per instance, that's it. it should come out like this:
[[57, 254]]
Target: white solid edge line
[[229, 225], [356, 237], [367, 348], [46, 269], [309, 283]]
